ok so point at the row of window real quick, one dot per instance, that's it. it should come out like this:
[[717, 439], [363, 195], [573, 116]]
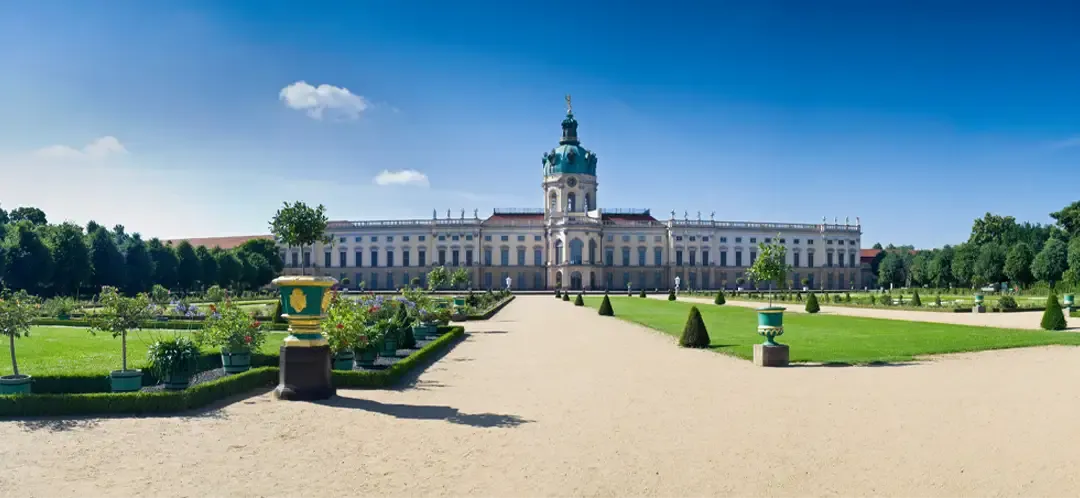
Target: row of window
[[422, 238], [694, 280]]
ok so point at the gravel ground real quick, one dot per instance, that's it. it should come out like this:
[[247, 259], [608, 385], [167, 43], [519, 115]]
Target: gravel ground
[[548, 399]]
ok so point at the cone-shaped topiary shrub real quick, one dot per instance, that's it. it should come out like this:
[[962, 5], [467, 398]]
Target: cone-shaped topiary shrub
[[605, 307], [694, 334], [937, 300], [405, 336], [811, 304], [558, 295], [642, 293], [565, 296], [579, 300], [915, 300], [1053, 318], [720, 298], [671, 295]]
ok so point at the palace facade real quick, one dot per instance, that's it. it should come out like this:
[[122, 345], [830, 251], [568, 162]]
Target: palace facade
[[573, 243]]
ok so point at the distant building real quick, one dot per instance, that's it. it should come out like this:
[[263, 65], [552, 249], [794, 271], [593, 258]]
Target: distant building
[[222, 242], [573, 243]]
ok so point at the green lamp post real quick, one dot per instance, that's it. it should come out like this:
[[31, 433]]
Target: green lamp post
[[305, 356]]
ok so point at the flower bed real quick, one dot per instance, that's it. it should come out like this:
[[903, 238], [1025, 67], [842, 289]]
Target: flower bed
[[173, 324], [491, 311]]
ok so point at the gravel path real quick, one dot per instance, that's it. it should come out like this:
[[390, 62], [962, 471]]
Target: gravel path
[[548, 399], [1022, 320]]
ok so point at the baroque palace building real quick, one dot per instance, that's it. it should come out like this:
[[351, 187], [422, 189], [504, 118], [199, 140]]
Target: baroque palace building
[[573, 243]]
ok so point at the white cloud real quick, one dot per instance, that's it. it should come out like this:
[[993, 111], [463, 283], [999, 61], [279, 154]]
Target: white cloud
[[98, 149], [403, 177], [318, 100]]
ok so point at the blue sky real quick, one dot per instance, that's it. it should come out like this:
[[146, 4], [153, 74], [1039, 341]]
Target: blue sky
[[915, 116]]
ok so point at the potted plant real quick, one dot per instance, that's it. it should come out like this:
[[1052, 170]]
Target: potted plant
[[770, 266], [16, 314], [173, 361], [739, 283], [117, 316], [236, 332], [805, 284], [345, 331]]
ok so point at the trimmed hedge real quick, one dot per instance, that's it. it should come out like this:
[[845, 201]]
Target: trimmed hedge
[[150, 324], [99, 382], [605, 307], [140, 403], [490, 312]]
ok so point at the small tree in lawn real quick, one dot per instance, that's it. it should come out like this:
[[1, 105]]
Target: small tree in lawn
[[605, 307], [915, 300], [1053, 318], [769, 265], [642, 293], [812, 304], [437, 277], [720, 298], [298, 225], [16, 313], [694, 333], [671, 295], [460, 278], [119, 315], [579, 300]]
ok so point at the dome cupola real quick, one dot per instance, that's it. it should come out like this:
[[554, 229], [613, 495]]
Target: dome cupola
[[569, 157]]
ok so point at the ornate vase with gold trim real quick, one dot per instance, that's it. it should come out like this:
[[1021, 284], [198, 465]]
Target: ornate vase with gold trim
[[305, 356]]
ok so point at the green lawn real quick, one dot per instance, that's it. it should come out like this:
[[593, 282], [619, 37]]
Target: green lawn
[[829, 338], [73, 350]]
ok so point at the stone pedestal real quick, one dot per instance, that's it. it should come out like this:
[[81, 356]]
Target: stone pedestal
[[978, 308], [305, 374], [766, 355]]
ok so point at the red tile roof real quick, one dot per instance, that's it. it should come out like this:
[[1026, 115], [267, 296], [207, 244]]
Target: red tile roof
[[514, 216], [868, 253], [222, 242]]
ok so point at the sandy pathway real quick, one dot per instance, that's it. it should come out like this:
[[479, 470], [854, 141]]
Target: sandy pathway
[[552, 400], [1025, 320]]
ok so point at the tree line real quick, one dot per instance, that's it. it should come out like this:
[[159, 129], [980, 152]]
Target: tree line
[[67, 260], [999, 249]]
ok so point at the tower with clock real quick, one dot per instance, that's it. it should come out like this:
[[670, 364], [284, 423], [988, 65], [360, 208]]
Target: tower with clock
[[569, 173]]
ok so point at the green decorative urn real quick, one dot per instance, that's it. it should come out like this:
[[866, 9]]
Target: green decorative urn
[[979, 299], [305, 372], [770, 323], [1069, 301]]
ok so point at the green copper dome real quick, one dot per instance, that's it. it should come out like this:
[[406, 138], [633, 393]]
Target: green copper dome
[[569, 157]]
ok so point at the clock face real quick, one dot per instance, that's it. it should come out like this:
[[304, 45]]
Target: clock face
[[571, 182]]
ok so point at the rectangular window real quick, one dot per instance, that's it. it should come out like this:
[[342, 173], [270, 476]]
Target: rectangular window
[[455, 257], [343, 258], [768, 240], [504, 256], [753, 257], [468, 237], [487, 256], [358, 239], [810, 260], [678, 258], [359, 278], [626, 256], [468, 257], [795, 259], [658, 238], [610, 238], [753, 240], [504, 238], [738, 258], [520, 280], [705, 238], [852, 258], [374, 259], [389, 238], [538, 257], [442, 237], [404, 238], [521, 256], [738, 240], [521, 238], [626, 238], [840, 259], [421, 258], [609, 256], [538, 282], [455, 237], [389, 280], [359, 255], [828, 259], [658, 256], [342, 240], [795, 241], [678, 237], [828, 242], [626, 279], [487, 238], [374, 238], [723, 240], [782, 241], [295, 257], [693, 258], [705, 258], [641, 238], [641, 256], [723, 258], [374, 284], [405, 259], [307, 259], [326, 259], [442, 257], [389, 258], [693, 238], [423, 238], [810, 241], [536, 238], [487, 280]]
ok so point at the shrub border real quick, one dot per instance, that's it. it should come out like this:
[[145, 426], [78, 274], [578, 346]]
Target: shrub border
[[148, 325], [169, 402], [491, 311]]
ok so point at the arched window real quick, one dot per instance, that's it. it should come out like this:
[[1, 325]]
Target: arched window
[[558, 252], [592, 252], [571, 199], [588, 202], [576, 248], [554, 202]]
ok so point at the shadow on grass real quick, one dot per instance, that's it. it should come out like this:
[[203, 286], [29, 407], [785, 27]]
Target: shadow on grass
[[425, 412]]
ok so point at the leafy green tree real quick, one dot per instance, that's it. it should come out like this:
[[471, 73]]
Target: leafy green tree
[[438, 277], [963, 264], [1073, 258], [139, 267], [188, 267], [1053, 318], [990, 264], [891, 270], [209, 266], [4, 217], [32, 214], [297, 225], [1069, 219], [770, 266], [605, 307], [459, 278], [694, 335], [1018, 264], [16, 316], [29, 262], [257, 271], [71, 259], [267, 248], [939, 271], [920, 268], [230, 269], [121, 238], [990, 228], [1051, 261], [165, 263], [119, 314], [106, 261]]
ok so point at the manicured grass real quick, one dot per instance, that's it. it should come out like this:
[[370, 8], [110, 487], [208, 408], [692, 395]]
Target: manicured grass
[[829, 338], [73, 350]]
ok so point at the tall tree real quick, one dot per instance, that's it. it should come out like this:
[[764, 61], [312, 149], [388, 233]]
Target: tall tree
[[164, 263], [121, 238], [140, 268], [106, 261], [71, 259], [209, 266], [3, 217], [991, 227], [939, 271], [1051, 262], [269, 250], [1069, 218], [920, 268], [257, 271], [31, 214], [990, 264], [891, 270], [963, 263], [188, 269], [297, 224], [230, 269], [29, 263], [1018, 264]]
